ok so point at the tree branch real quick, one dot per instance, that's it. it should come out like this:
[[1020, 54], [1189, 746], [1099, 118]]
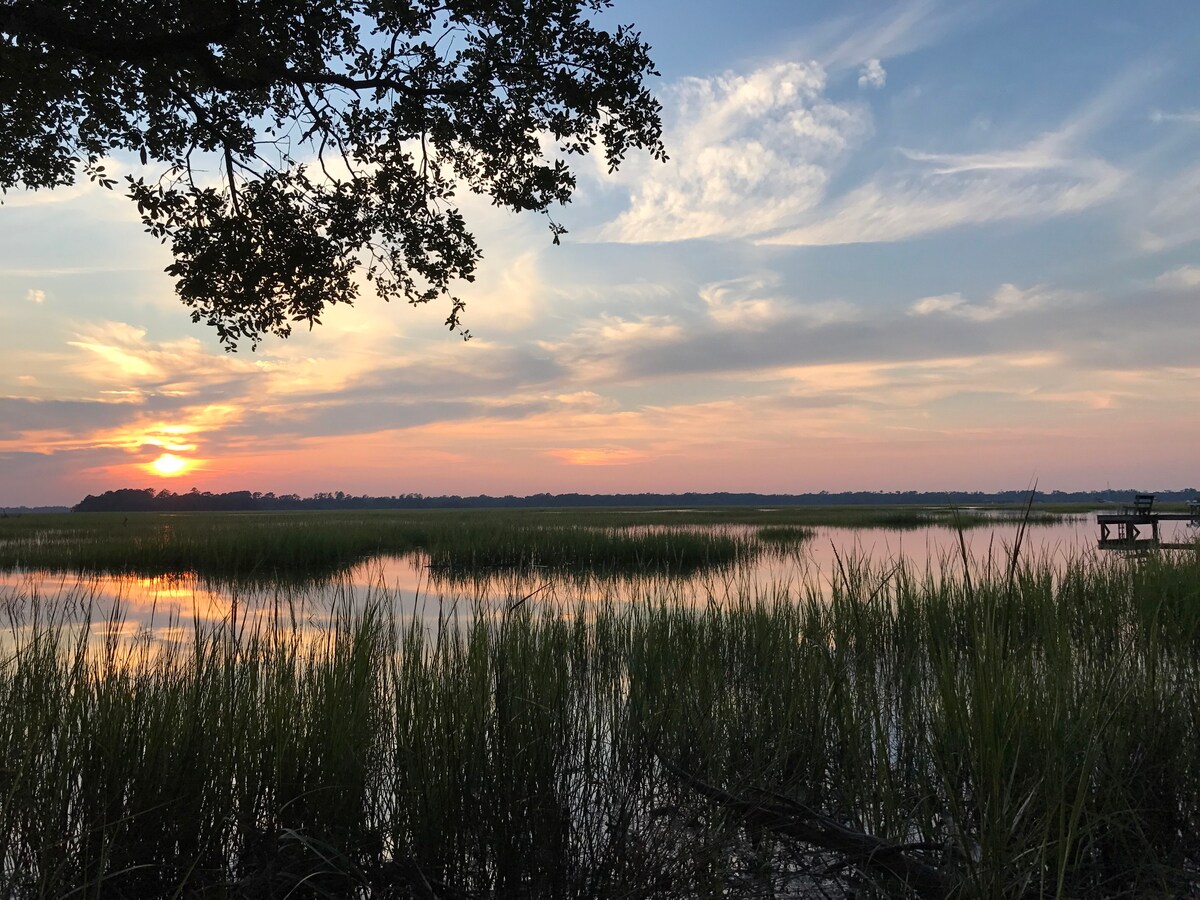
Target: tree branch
[[55, 28], [796, 821]]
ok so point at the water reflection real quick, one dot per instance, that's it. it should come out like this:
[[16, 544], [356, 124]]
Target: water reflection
[[169, 608]]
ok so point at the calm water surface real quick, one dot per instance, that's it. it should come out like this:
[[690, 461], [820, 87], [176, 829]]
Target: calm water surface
[[169, 606]]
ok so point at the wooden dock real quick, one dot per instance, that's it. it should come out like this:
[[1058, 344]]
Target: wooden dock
[[1130, 521]]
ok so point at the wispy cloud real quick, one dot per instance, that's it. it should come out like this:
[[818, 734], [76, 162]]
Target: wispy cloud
[[1059, 172], [1180, 278], [119, 355], [1007, 300], [1184, 116], [887, 30], [1172, 216], [938, 191]]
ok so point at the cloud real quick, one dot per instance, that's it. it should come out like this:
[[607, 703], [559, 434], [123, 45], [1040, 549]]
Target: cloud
[[281, 424], [1180, 278], [509, 300], [754, 303], [118, 356], [888, 30], [1007, 300], [141, 395], [609, 332], [748, 325], [755, 157], [928, 191], [33, 295], [131, 395], [872, 75], [182, 431], [584, 400], [1173, 215], [597, 456], [63, 426], [750, 153], [111, 351], [1185, 116], [488, 383], [618, 290], [697, 356], [738, 303], [21, 415], [939, 191]]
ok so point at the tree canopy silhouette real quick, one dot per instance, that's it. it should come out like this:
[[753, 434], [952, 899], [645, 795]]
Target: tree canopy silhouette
[[288, 147]]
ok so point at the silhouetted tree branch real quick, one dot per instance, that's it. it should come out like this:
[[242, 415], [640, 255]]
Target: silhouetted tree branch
[[305, 146]]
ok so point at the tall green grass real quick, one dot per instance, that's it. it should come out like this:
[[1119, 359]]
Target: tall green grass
[[589, 552], [1023, 731], [305, 547], [784, 536], [299, 547]]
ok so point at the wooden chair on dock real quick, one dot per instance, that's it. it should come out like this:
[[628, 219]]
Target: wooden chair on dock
[[1142, 504]]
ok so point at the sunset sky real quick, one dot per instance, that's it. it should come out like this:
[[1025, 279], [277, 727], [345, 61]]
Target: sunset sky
[[923, 245]]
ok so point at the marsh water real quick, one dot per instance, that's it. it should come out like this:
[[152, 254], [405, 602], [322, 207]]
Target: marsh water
[[410, 587]]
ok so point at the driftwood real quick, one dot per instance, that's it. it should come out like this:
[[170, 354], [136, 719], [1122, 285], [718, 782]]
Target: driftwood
[[787, 818]]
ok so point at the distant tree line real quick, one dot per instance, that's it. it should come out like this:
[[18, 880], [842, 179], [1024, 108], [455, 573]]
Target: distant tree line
[[149, 500]]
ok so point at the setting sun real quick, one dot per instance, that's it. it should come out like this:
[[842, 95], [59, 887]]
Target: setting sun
[[169, 464]]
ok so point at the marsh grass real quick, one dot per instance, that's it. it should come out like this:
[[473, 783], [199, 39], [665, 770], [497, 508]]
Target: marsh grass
[[785, 535], [236, 546], [311, 547], [269, 548], [591, 552], [1029, 731]]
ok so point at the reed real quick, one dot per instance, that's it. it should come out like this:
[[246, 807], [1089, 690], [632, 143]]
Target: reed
[[271, 548], [785, 535], [1002, 728], [303, 547], [589, 552]]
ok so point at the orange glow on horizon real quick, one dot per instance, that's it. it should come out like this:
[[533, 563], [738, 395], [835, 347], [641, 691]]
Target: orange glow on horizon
[[170, 465], [598, 456]]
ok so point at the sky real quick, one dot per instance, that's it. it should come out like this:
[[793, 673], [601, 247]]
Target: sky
[[897, 246]]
